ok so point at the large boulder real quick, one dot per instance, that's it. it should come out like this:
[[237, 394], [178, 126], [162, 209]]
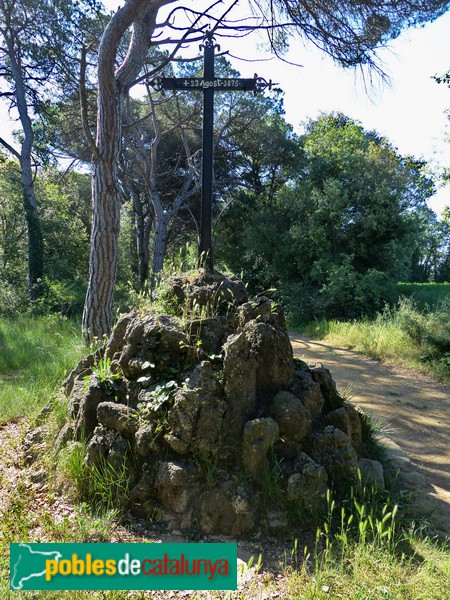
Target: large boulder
[[274, 359], [151, 344], [258, 438], [333, 450], [239, 379], [196, 418]]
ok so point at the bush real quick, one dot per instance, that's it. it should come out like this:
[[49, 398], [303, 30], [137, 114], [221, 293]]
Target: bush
[[346, 294]]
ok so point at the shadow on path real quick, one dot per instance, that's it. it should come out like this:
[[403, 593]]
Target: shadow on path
[[413, 411]]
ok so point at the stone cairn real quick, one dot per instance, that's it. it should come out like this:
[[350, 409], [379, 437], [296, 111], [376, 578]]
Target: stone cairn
[[207, 413]]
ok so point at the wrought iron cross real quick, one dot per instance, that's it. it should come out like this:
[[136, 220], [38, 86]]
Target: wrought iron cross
[[209, 84]]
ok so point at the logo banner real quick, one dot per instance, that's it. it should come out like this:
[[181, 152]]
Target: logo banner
[[55, 566]]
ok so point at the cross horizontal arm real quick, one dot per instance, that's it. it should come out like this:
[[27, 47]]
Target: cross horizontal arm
[[218, 84]]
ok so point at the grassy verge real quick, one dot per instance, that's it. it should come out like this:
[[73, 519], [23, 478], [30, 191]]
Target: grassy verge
[[365, 548], [35, 356], [405, 334]]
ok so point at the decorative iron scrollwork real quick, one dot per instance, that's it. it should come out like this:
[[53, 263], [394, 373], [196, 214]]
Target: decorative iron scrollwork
[[156, 84], [262, 84], [209, 42]]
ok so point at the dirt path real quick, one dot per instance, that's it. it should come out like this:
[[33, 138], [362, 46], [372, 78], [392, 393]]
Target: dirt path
[[415, 414]]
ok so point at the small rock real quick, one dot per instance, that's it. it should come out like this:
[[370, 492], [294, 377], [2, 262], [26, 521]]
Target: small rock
[[118, 417], [145, 488], [309, 392], [327, 384], [277, 521], [208, 332], [371, 473], [144, 438], [333, 450], [257, 308], [176, 485], [203, 378], [33, 444], [65, 435], [38, 476], [88, 401], [307, 486]]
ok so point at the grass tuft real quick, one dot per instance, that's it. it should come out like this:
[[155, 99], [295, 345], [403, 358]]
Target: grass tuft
[[35, 356]]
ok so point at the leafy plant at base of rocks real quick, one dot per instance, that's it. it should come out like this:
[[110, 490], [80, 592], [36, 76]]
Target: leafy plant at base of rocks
[[145, 379], [371, 431], [107, 378], [155, 399]]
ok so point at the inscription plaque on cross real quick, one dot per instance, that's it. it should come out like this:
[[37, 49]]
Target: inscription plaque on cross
[[209, 84]]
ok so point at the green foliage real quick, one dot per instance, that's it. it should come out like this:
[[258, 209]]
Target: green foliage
[[431, 257], [271, 484], [64, 214], [370, 433], [106, 377], [431, 333], [157, 397], [337, 238]]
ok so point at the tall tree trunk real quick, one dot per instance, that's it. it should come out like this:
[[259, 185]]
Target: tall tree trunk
[[159, 245], [144, 250], [104, 255], [97, 314], [35, 239], [143, 229], [112, 88]]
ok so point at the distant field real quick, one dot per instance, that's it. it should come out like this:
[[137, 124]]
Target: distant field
[[425, 295]]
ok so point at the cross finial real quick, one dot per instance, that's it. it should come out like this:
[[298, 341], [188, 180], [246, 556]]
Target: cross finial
[[208, 40]]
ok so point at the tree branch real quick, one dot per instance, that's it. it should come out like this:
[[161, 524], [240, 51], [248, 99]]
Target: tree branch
[[10, 148], [84, 104]]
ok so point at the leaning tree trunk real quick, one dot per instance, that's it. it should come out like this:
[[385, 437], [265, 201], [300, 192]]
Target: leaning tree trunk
[[112, 88]]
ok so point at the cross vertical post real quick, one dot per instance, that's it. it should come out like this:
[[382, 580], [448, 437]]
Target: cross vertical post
[[209, 84], [205, 249]]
